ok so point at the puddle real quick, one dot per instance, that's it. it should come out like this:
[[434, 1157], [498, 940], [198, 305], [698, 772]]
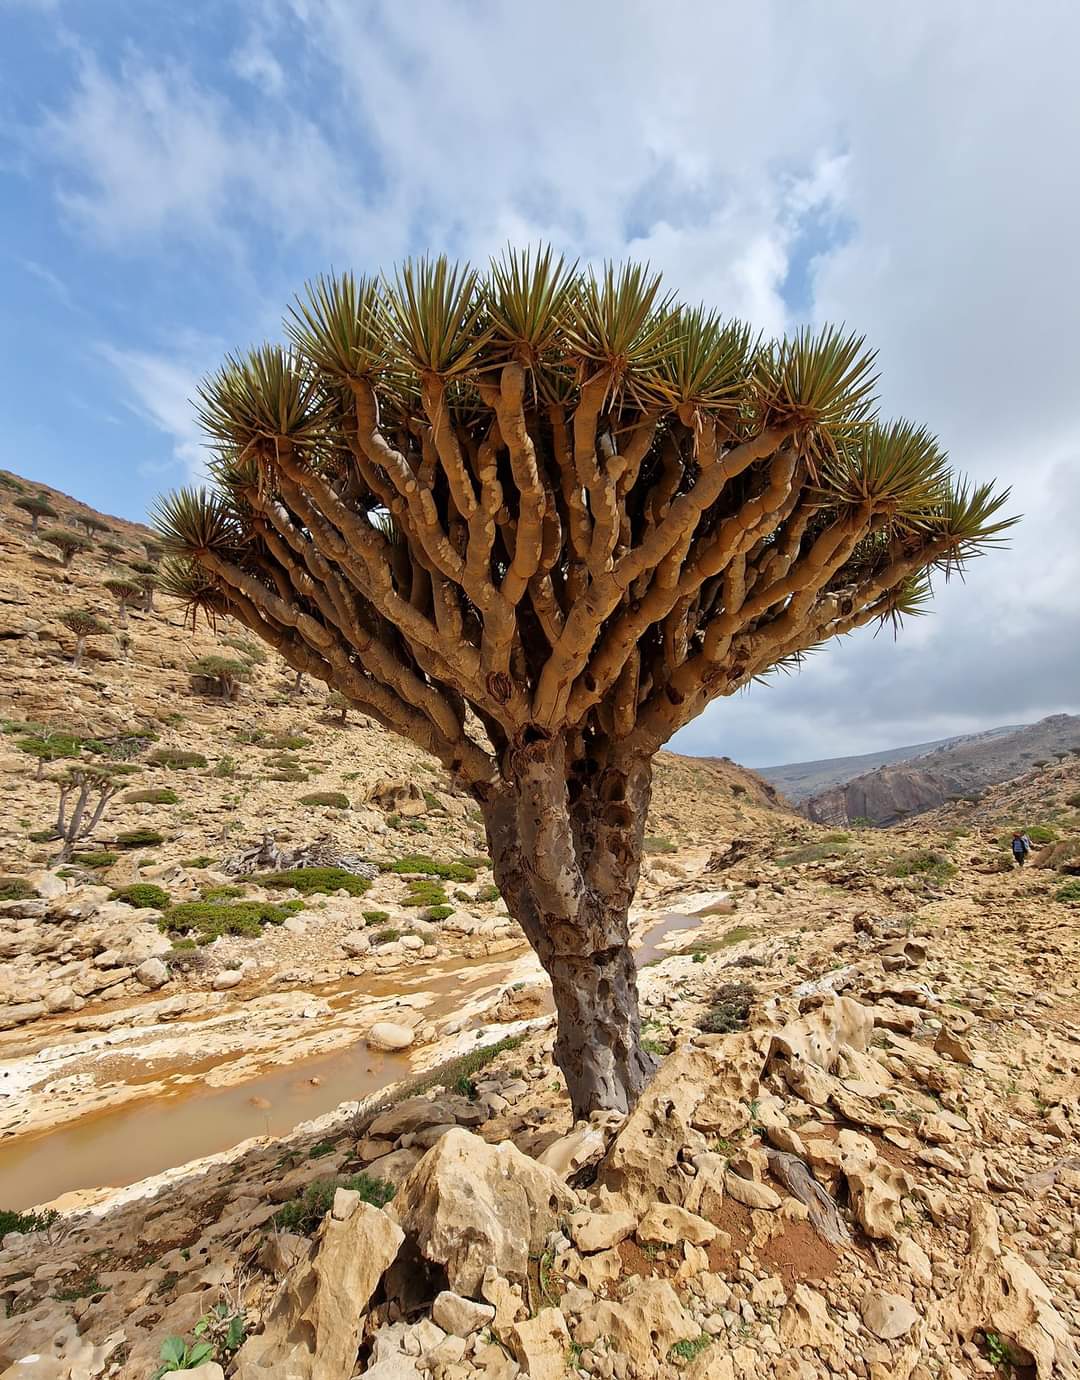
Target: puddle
[[120, 1145]]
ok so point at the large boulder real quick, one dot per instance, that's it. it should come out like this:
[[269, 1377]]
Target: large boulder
[[698, 1092], [468, 1205], [390, 1036], [399, 797], [313, 1326]]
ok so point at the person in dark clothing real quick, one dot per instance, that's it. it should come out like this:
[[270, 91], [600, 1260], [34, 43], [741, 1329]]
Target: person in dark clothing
[[1021, 847]]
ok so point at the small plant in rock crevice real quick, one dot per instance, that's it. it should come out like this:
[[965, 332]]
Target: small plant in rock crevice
[[303, 1214]]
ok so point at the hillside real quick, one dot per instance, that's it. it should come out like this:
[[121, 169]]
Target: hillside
[[951, 772], [335, 1144], [798, 781]]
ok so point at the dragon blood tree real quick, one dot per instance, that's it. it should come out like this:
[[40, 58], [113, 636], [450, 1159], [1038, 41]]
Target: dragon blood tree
[[535, 521]]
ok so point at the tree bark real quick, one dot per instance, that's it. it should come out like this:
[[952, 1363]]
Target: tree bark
[[565, 833]]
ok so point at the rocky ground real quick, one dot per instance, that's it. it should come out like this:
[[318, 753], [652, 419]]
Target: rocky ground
[[860, 1156]]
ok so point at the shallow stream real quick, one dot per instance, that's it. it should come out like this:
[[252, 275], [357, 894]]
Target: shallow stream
[[120, 1145]]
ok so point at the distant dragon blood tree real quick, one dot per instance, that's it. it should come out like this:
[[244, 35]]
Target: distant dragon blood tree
[[536, 521]]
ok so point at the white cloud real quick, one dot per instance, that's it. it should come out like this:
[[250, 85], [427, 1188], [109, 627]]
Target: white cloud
[[160, 389], [256, 63], [906, 167]]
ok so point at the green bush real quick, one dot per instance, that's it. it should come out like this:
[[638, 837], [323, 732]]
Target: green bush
[[142, 894], [657, 843], [226, 892], [438, 912], [728, 1009], [211, 919], [375, 917], [26, 1222], [139, 838], [923, 862], [490, 892], [15, 889], [1069, 893], [426, 893], [419, 863], [100, 858], [385, 936], [153, 795], [1039, 834], [203, 860], [311, 881], [334, 799], [273, 742], [303, 1214], [176, 759]]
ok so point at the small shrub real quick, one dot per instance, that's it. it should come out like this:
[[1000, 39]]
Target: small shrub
[[426, 893], [414, 864], [26, 1222], [142, 894], [15, 889], [273, 742], [250, 651], [335, 800], [227, 892], [375, 917], [658, 843], [690, 1349], [139, 838], [211, 919], [175, 1354], [176, 759], [488, 892], [438, 912], [1069, 892], [311, 881], [203, 860], [153, 795], [226, 767], [385, 936], [100, 858], [728, 1010], [923, 862], [736, 935], [303, 1214]]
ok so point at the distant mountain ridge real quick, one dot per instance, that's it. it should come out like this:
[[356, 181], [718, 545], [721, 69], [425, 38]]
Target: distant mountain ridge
[[798, 781], [953, 770]]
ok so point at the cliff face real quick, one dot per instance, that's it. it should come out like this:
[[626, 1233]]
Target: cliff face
[[892, 792]]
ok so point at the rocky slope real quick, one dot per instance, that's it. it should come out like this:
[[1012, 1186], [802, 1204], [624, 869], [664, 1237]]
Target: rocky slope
[[858, 1159], [801, 780], [951, 772]]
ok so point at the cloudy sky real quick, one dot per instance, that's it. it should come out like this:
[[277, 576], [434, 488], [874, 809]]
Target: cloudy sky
[[170, 176]]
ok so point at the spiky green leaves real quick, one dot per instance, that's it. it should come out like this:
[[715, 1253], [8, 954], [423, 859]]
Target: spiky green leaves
[[188, 582], [253, 402], [192, 521], [968, 519], [706, 362], [339, 327], [528, 295], [435, 314], [618, 322], [899, 469], [821, 385]]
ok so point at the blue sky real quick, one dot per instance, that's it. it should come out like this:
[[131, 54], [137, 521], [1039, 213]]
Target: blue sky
[[169, 176]]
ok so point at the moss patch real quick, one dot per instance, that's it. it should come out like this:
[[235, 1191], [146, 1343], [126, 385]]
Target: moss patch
[[211, 919], [142, 895], [315, 880]]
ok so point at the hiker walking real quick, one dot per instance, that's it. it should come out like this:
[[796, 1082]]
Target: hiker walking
[[1021, 847]]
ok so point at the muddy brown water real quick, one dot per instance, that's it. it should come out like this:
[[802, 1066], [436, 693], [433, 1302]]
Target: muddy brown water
[[121, 1145]]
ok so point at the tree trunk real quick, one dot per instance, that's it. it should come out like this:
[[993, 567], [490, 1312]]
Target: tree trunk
[[565, 832], [80, 647]]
